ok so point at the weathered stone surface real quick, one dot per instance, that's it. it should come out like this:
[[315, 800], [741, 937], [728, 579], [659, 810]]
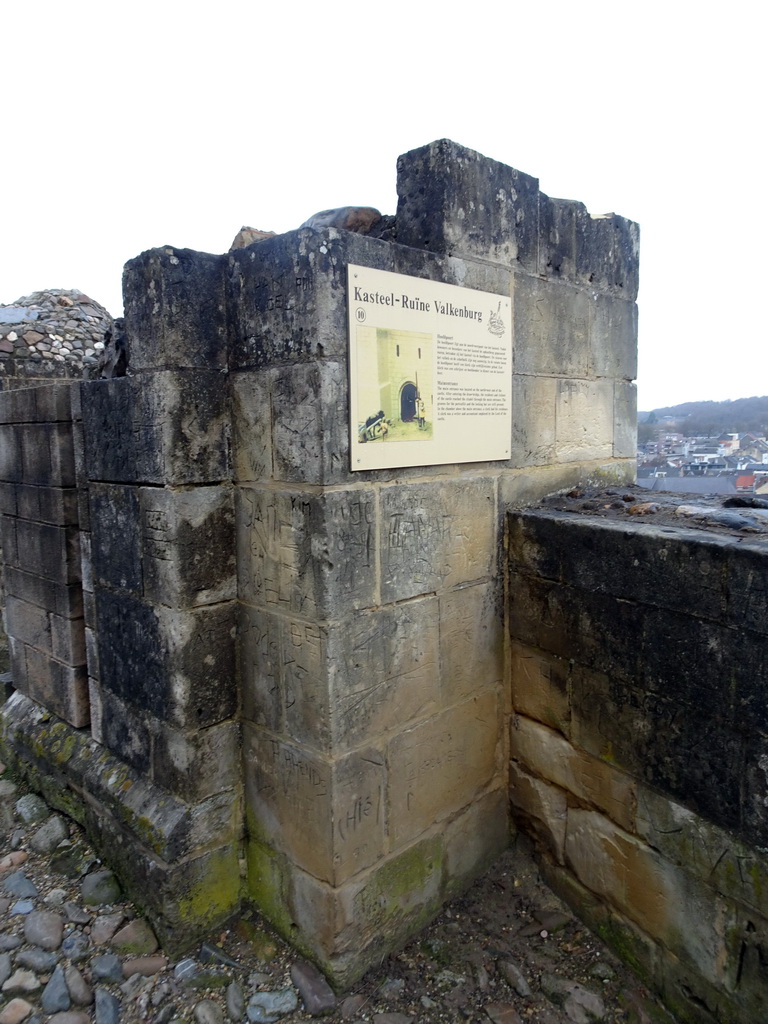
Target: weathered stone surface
[[584, 420], [475, 837], [281, 533], [553, 329], [247, 236], [56, 994], [663, 900], [100, 887], [452, 199], [135, 937], [542, 806], [316, 994], [382, 672], [624, 415], [49, 835], [540, 687], [188, 545], [44, 928], [337, 822], [175, 309], [533, 423], [115, 537], [349, 218], [167, 428], [288, 295], [544, 752], [441, 765], [716, 856], [197, 764], [436, 536], [178, 665], [470, 641]]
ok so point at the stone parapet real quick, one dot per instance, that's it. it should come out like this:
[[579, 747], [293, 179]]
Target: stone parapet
[[637, 740]]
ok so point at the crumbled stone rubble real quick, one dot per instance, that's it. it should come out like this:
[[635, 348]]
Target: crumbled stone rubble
[[73, 951], [54, 326], [743, 516]]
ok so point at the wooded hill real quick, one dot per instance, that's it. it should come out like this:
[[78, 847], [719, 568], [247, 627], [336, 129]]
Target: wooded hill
[[740, 415]]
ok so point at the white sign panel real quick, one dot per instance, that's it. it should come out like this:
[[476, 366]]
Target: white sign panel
[[430, 372]]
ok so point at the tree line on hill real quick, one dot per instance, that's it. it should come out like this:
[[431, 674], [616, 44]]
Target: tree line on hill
[[709, 419]]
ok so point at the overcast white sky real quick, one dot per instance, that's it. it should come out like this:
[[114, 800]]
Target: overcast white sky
[[132, 125]]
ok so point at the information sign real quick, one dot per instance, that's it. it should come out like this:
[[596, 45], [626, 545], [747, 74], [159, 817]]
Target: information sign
[[430, 372]]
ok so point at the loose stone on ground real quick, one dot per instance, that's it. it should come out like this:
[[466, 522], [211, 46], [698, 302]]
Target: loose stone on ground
[[506, 952]]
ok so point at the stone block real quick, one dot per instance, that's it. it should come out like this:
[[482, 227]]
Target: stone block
[[717, 857], [187, 545], [52, 402], [544, 752], [335, 686], [649, 566], [384, 673], [11, 461], [67, 639], [607, 250], [175, 310], [52, 552], [542, 807], [306, 552], [310, 418], [9, 540], [288, 295], [471, 641], [8, 496], [41, 403], [442, 765], [348, 929], [664, 901], [48, 456], [326, 817], [94, 699], [27, 623], [681, 748], [436, 535], [584, 420], [168, 427], [66, 600], [92, 657], [557, 237], [624, 419], [197, 764], [56, 505], [179, 666], [62, 689], [540, 687], [613, 339], [475, 838], [452, 199], [252, 425], [533, 420], [116, 537], [260, 665], [553, 329], [126, 731]]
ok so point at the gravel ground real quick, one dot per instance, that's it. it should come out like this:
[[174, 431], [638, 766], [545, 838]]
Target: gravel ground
[[508, 951]]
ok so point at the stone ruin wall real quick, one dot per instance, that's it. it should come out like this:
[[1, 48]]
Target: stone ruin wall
[[639, 745], [294, 674]]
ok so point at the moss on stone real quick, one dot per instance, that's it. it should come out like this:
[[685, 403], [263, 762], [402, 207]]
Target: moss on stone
[[214, 893]]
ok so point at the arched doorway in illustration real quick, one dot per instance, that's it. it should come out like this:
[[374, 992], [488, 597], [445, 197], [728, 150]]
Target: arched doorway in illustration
[[408, 394]]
